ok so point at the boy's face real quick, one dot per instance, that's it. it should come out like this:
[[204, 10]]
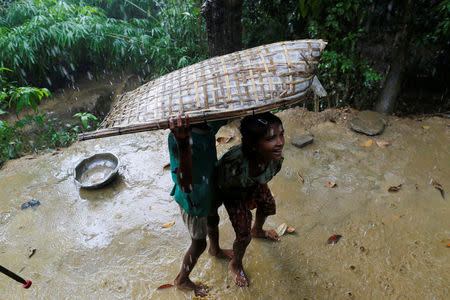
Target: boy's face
[[271, 145]]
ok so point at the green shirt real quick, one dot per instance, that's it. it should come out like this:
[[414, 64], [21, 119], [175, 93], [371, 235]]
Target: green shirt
[[204, 160], [233, 172]]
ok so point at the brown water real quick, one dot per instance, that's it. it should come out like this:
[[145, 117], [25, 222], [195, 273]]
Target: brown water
[[97, 172], [109, 243]]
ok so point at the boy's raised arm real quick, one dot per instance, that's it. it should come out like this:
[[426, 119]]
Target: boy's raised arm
[[182, 137]]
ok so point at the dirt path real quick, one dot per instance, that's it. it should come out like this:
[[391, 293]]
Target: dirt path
[[110, 244]]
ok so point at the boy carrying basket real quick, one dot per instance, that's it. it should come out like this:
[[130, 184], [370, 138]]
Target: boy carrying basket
[[193, 157]]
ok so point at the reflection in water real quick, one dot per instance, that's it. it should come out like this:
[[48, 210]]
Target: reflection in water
[[105, 193], [110, 244]]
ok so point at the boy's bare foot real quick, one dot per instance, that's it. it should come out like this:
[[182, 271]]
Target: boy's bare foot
[[187, 284], [239, 276], [270, 234], [201, 290], [222, 253]]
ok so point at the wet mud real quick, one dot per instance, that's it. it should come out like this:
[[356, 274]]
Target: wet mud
[[110, 243]]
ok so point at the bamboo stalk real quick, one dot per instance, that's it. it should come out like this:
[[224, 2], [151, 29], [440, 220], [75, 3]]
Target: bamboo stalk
[[164, 124]]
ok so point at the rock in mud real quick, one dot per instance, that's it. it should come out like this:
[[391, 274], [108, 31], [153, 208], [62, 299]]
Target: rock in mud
[[302, 141], [33, 203], [368, 122]]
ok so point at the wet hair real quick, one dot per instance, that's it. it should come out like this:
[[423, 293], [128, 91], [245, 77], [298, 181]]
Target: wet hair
[[255, 127]]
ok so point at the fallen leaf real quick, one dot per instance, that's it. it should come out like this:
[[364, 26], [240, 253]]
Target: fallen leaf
[[426, 127], [330, 184], [392, 218], [383, 144], [165, 286], [439, 187], [150, 207], [290, 229], [448, 245], [394, 188], [281, 229], [368, 143], [445, 241], [334, 239], [223, 139], [300, 177], [168, 224], [166, 166]]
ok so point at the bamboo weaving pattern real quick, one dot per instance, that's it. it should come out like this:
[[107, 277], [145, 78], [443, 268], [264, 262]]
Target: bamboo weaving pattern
[[249, 81]]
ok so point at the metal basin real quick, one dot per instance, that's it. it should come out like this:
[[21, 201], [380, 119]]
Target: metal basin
[[96, 171]]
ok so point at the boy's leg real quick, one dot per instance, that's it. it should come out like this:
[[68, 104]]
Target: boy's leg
[[265, 207], [182, 280], [213, 233], [241, 219], [239, 247], [197, 230], [259, 232]]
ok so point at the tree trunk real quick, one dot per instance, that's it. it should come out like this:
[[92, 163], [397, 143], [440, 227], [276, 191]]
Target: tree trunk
[[393, 83], [223, 22]]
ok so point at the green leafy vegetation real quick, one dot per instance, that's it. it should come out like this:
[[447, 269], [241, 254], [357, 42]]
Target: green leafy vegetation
[[12, 141], [361, 36], [31, 130], [87, 118], [50, 42], [348, 78]]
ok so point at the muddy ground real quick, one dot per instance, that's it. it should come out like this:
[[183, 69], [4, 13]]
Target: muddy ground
[[110, 243]]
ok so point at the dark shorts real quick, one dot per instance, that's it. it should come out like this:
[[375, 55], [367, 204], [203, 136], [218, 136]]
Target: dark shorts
[[197, 226], [239, 210]]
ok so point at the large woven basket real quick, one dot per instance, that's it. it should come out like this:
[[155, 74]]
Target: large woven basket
[[233, 85]]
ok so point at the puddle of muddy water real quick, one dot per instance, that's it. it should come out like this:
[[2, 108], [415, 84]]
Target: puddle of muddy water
[[96, 174], [110, 244]]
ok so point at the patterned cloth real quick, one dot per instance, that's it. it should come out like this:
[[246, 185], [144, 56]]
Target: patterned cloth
[[197, 226], [239, 209], [233, 173], [241, 193]]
